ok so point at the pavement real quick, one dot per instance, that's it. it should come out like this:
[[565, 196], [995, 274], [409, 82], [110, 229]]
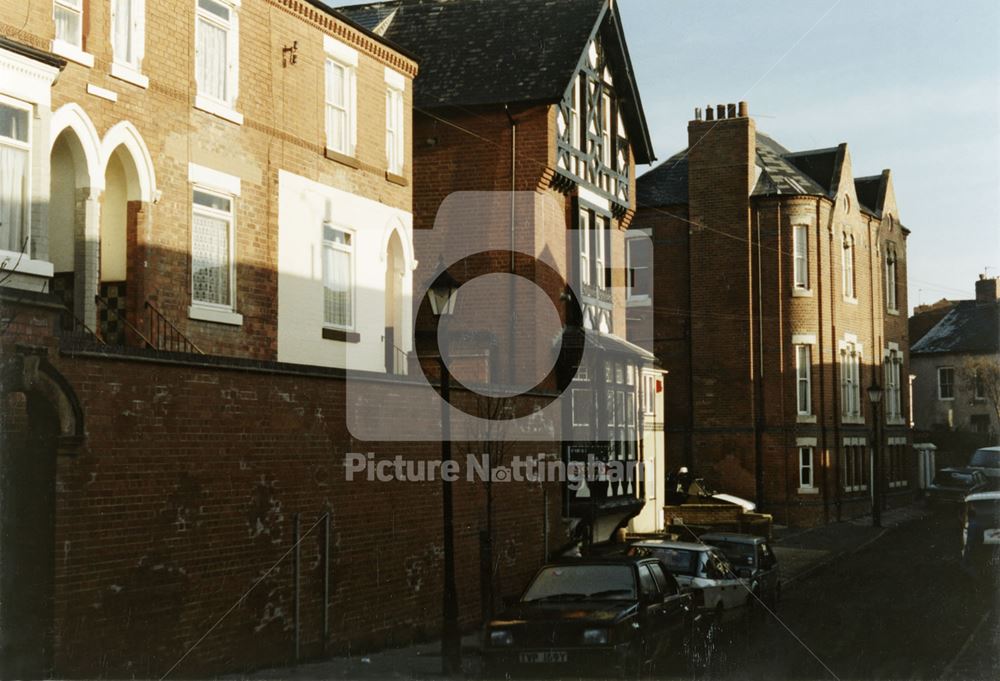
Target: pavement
[[799, 552]]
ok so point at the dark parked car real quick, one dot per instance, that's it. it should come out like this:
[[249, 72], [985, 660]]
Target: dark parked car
[[954, 484], [981, 535], [753, 560], [602, 616]]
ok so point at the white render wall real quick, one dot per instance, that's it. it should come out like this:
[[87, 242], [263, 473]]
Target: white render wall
[[303, 206]]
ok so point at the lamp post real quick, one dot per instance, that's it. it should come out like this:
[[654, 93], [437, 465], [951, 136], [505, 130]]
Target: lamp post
[[875, 397], [443, 294]]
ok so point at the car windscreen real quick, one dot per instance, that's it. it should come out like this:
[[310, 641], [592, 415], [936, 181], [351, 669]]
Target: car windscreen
[[985, 458], [678, 561], [953, 479], [570, 582], [738, 553], [984, 513]]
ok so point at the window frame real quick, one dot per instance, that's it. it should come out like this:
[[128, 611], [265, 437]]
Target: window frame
[[226, 106], [584, 230], [855, 465], [851, 357], [137, 31], [891, 279], [629, 295], [848, 282], [75, 7], [951, 383], [24, 234], [807, 467], [803, 377], [800, 257], [395, 130], [230, 218], [892, 377], [351, 251], [601, 231]]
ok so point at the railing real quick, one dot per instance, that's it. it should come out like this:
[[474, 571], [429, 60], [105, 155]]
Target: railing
[[75, 329], [128, 326], [166, 336], [400, 362]]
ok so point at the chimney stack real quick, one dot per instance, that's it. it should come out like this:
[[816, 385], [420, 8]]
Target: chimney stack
[[987, 290], [720, 111], [709, 113], [730, 111]]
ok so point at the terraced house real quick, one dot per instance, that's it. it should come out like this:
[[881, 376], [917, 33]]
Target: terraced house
[[780, 299]]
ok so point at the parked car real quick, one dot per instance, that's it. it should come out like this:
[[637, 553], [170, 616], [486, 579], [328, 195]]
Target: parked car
[[604, 616], [754, 561], [981, 534], [954, 484], [703, 570], [987, 460]]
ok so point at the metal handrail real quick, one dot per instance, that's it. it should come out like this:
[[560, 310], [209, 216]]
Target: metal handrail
[[80, 328], [400, 361], [131, 327], [168, 337]]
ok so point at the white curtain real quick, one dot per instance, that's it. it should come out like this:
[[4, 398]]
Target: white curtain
[[210, 260], [124, 51], [336, 107], [68, 24], [212, 67], [13, 181]]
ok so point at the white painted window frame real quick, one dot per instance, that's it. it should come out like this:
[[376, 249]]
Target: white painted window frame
[[71, 49], [218, 183], [851, 356], [807, 445], [847, 280], [123, 68], [900, 443], [345, 57], [800, 257], [856, 447], [226, 107], [891, 281], [892, 369], [585, 231], [803, 375], [629, 295], [25, 234], [601, 226], [351, 251]]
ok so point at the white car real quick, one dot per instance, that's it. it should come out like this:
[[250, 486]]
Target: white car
[[704, 570], [987, 460]]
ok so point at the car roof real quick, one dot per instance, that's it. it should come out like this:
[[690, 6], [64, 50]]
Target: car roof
[[958, 469], [613, 559], [733, 537], [989, 449], [984, 496], [667, 544]]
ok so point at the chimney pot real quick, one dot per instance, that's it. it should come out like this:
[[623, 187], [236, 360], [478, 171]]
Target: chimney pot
[[730, 111], [720, 111], [743, 110], [697, 113], [709, 114]]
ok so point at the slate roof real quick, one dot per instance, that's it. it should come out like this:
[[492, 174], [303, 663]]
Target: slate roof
[[969, 328], [478, 52], [782, 172]]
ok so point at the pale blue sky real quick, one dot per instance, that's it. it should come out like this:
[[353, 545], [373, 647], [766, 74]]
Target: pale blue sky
[[911, 85]]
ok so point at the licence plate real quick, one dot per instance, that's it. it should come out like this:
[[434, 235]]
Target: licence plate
[[544, 656]]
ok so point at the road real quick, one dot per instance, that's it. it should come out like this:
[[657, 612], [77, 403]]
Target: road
[[899, 608]]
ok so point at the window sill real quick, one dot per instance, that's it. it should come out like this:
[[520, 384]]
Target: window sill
[[341, 335], [895, 422], [396, 179], [855, 420], [219, 109], [72, 52], [894, 313], [129, 75], [208, 314], [805, 418], [808, 490], [946, 399], [638, 301], [898, 484], [801, 292], [36, 268], [342, 159], [849, 300], [854, 490]]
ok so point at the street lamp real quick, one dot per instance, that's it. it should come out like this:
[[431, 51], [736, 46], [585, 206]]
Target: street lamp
[[875, 396], [443, 294]]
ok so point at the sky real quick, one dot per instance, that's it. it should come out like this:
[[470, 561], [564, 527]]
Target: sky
[[910, 85]]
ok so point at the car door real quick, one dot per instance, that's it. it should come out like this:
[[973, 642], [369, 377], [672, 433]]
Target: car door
[[676, 607], [653, 616], [730, 588], [768, 569]]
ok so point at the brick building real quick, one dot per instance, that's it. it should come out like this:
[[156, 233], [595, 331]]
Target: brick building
[[209, 265], [534, 150], [780, 284]]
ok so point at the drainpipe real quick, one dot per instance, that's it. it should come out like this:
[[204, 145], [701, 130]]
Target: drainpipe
[[834, 370], [759, 418], [513, 189], [821, 412]]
